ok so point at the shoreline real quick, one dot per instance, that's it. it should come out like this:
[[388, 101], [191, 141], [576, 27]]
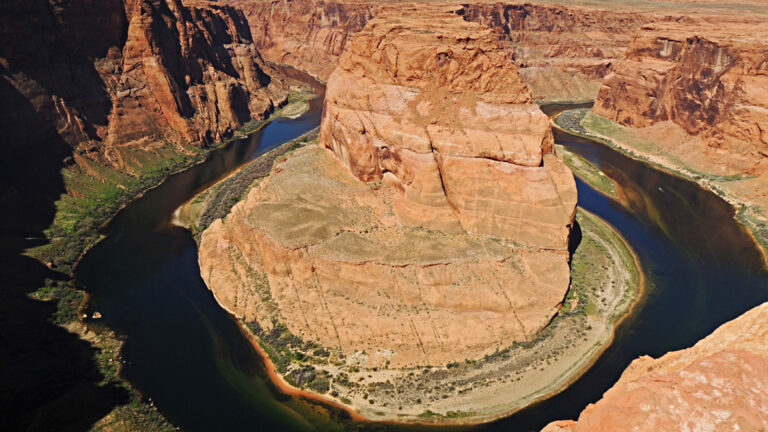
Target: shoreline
[[573, 364], [660, 163]]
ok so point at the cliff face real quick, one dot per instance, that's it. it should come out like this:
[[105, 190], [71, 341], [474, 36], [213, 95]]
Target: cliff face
[[563, 53], [706, 80], [718, 384], [441, 115], [433, 129], [106, 75], [309, 35]]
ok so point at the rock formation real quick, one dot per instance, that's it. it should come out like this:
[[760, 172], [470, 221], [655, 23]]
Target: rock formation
[[129, 74], [436, 121], [307, 34], [718, 384], [709, 79], [441, 115], [563, 52]]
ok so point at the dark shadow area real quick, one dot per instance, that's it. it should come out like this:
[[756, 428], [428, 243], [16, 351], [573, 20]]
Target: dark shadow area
[[574, 240], [48, 377]]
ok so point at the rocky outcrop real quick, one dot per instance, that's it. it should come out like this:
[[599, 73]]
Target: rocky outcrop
[[105, 76], [563, 52], [441, 115], [718, 384], [434, 129], [314, 249], [711, 80]]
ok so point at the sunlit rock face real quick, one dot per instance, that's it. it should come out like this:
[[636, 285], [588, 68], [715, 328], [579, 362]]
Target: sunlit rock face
[[429, 225], [719, 384], [439, 112], [711, 80]]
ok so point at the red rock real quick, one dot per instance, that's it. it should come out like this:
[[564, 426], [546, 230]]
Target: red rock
[[440, 113], [719, 384]]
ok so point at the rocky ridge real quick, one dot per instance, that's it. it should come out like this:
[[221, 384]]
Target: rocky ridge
[[562, 51], [718, 384]]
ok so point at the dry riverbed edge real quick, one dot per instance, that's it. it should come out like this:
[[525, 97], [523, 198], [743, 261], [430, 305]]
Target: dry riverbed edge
[[749, 214], [607, 282]]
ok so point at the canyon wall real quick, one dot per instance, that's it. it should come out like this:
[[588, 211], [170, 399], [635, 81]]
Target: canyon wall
[[102, 76], [310, 35], [441, 114], [710, 79], [562, 52], [718, 384]]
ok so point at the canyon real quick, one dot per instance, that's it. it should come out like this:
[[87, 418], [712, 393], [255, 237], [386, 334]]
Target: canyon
[[426, 231], [562, 52], [694, 100]]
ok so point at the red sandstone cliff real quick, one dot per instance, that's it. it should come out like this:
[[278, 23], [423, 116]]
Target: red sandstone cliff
[[106, 75], [718, 384], [711, 80], [563, 52], [440, 113]]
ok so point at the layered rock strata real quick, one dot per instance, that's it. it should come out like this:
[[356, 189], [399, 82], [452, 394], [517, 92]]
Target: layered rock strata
[[718, 384], [429, 126], [440, 114], [712, 81], [316, 250], [104, 76], [562, 52]]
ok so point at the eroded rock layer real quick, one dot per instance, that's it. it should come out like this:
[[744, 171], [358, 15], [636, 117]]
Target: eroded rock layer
[[439, 113], [711, 80], [318, 251], [563, 52], [103, 76], [719, 384], [426, 125]]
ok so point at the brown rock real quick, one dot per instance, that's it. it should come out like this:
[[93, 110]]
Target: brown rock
[[718, 384], [316, 250], [442, 115], [104, 75], [710, 79]]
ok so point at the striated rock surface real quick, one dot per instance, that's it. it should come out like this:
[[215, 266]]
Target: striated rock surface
[[106, 77], [309, 35], [428, 126], [563, 52], [440, 113], [718, 384], [316, 250], [709, 79]]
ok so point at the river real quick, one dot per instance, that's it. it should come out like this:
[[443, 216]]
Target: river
[[190, 358]]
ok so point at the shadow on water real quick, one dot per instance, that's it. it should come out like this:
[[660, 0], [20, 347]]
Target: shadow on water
[[48, 378], [190, 357]]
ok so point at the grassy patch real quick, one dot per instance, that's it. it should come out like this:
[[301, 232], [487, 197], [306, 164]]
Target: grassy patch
[[588, 172]]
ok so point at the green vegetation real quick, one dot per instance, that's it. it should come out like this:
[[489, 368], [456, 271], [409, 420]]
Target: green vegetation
[[588, 172], [292, 357], [95, 192], [217, 201]]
